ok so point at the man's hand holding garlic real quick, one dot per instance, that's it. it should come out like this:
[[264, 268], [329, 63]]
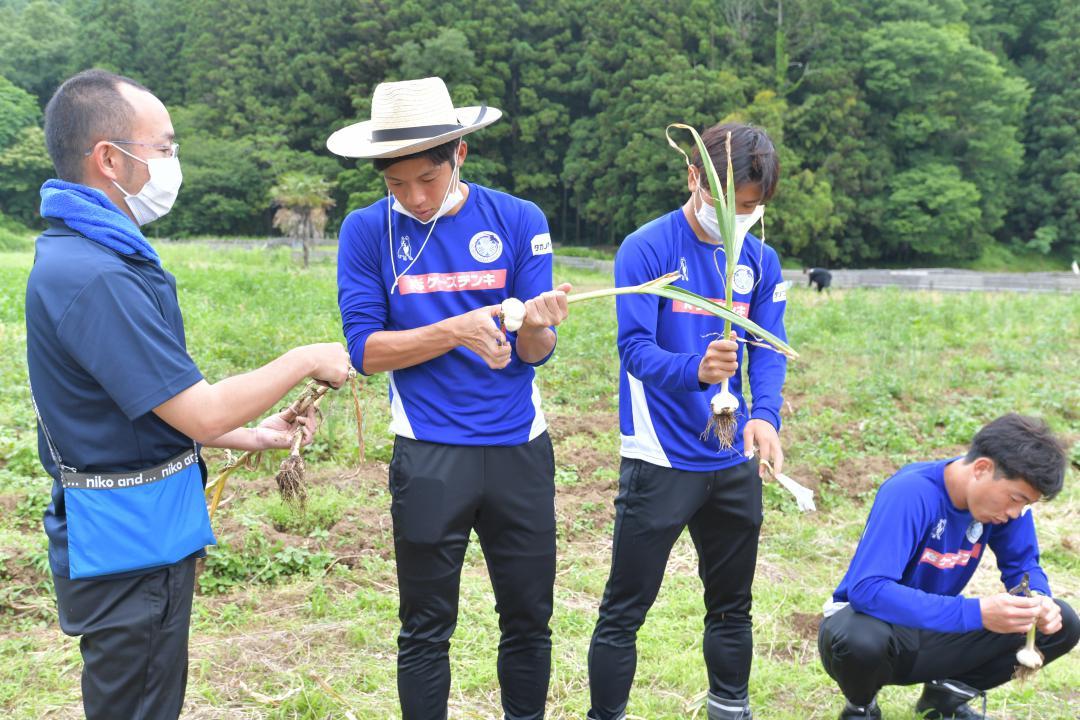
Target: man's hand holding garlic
[[533, 320], [720, 361], [1049, 621]]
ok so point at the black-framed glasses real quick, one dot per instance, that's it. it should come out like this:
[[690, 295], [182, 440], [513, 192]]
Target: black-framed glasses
[[172, 149]]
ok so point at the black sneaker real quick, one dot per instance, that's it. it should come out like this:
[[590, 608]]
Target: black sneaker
[[852, 711], [948, 700]]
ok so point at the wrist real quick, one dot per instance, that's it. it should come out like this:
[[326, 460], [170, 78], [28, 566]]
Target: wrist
[[451, 329], [973, 613], [304, 359], [530, 332], [766, 416], [692, 380]]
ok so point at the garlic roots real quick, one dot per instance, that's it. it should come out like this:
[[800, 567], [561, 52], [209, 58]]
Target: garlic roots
[[722, 418]]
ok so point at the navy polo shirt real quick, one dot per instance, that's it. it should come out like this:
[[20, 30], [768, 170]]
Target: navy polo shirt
[[104, 346]]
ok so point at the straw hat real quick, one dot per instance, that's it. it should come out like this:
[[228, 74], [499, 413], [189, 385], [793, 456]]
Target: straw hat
[[407, 117]]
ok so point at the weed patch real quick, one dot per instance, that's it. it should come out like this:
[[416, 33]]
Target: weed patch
[[256, 560]]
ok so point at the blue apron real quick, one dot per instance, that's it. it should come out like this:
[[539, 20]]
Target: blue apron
[[122, 522]]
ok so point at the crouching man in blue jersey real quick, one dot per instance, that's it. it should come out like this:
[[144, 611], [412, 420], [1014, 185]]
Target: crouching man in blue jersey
[[898, 618], [420, 278], [123, 410], [671, 478]]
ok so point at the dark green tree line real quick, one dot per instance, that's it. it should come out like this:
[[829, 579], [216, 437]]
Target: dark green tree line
[[911, 131]]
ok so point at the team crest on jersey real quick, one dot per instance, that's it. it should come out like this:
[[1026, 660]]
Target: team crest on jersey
[[939, 529], [404, 251], [683, 272], [974, 531], [743, 281], [485, 246]]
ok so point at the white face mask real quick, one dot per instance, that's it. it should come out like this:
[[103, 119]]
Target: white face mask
[[450, 201], [706, 217], [159, 193]]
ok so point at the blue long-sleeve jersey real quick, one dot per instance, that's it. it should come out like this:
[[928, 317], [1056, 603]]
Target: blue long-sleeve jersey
[[917, 553], [663, 408], [496, 246]]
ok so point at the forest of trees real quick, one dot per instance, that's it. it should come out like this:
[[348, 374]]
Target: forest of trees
[[911, 131]]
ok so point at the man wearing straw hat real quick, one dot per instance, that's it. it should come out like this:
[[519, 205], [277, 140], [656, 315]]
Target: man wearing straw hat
[[421, 275], [122, 407]]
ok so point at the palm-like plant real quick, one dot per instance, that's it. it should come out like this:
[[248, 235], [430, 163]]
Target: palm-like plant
[[302, 201]]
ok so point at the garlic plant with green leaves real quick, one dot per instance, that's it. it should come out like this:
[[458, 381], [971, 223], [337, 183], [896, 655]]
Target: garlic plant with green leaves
[[724, 405], [513, 310]]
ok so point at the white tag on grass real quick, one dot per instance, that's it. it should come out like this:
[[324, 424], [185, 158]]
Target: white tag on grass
[[804, 496]]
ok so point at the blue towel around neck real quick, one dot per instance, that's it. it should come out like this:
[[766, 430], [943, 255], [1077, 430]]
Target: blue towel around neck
[[90, 212]]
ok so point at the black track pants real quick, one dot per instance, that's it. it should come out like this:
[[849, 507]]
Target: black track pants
[[134, 641], [863, 654], [654, 504], [440, 493]]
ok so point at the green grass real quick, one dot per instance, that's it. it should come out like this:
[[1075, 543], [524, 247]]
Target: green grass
[[583, 251], [297, 615], [13, 236], [1001, 258], [993, 258]]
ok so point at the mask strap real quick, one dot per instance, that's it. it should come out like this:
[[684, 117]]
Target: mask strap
[[698, 175], [761, 252], [126, 193], [454, 180], [390, 239], [133, 157], [697, 192]]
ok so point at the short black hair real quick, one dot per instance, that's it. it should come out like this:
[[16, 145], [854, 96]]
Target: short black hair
[[753, 157], [437, 155], [84, 110], [1022, 448]]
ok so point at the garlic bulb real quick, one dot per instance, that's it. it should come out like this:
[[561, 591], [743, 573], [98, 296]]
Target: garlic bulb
[[724, 401], [513, 314], [1029, 658]]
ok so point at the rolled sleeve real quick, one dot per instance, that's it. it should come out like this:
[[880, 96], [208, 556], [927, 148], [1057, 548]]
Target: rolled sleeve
[[362, 299]]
